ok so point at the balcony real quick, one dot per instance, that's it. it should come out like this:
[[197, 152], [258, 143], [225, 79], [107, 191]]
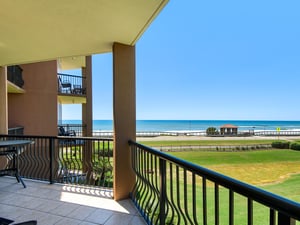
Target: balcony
[[71, 129], [15, 80], [71, 89], [167, 190]]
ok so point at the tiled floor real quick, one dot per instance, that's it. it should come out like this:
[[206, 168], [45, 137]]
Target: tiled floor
[[63, 204]]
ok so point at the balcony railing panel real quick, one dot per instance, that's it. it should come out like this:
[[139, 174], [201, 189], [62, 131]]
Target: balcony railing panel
[[71, 84], [169, 190], [16, 130], [84, 161], [14, 75], [71, 130]]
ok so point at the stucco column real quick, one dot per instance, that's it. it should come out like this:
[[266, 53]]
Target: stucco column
[[87, 108], [124, 115], [87, 115], [3, 101]]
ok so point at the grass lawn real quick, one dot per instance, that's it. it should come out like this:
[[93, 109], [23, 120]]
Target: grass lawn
[[268, 169], [241, 157], [205, 142], [277, 171]]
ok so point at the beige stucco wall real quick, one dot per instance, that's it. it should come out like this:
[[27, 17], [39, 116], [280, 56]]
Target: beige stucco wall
[[36, 110], [87, 108]]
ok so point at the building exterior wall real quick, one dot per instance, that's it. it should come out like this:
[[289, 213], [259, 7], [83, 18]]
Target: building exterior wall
[[36, 109]]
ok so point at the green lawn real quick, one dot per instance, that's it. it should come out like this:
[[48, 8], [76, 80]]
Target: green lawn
[[242, 157], [274, 167]]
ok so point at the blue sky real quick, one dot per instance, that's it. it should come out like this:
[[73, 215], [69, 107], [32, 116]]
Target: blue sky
[[212, 60]]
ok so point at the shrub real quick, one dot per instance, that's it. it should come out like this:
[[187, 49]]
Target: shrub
[[281, 144], [212, 131], [295, 146]]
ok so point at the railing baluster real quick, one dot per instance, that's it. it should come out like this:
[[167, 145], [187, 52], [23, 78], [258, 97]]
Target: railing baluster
[[151, 180], [194, 197], [51, 155], [272, 217], [171, 192], [250, 211], [284, 219], [204, 195], [155, 187], [185, 196], [163, 190], [142, 172], [231, 207], [217, 204], [181, 215]]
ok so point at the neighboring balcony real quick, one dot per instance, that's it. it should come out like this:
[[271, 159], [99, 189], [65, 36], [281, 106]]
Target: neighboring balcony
[[75, 130], [15, 80], [71, 89]]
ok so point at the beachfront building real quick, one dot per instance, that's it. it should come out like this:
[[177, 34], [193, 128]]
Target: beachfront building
[[40, 39], [228, 129], [34, 105]]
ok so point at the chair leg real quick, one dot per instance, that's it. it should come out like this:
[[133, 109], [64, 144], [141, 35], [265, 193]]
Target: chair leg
[[4, 221]]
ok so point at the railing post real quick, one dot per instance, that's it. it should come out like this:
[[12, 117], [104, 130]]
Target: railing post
[[285, 220], [163, 191], [51, 155]]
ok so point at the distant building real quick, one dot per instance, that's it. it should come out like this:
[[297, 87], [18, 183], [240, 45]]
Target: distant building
[[228, 129]]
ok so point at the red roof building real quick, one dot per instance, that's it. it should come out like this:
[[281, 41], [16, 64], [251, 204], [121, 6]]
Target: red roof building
[[228, 129]]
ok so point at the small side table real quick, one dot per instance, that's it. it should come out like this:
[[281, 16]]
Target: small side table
[[12, 149]]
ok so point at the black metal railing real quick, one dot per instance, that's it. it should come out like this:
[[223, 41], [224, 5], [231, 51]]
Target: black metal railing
[[84, 161], [169, 190], [278, 133], [16, 130], [70, 129], [71, 84], [14, 75]]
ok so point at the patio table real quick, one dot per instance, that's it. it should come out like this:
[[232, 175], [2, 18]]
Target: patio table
[[12, 150]]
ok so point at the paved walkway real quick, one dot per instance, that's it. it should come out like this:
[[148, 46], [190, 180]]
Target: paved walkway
[[63, 204]]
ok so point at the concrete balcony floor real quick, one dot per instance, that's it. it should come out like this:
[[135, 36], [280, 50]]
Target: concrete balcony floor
[[63, 204]]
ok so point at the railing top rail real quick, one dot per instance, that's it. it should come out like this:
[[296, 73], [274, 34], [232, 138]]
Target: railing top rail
[[70, 75], [284, 205]]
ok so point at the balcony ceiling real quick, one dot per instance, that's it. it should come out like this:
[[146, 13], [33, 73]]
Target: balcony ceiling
[[71, 99], [40, 30]]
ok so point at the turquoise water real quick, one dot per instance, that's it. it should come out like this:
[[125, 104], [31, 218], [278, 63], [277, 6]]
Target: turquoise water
[[196, 125]]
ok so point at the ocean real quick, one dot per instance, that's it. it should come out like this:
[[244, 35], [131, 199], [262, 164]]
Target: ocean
[[196, 125]]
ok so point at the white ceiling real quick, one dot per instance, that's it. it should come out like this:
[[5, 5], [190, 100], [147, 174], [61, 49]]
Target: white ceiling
[[40, 30]]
